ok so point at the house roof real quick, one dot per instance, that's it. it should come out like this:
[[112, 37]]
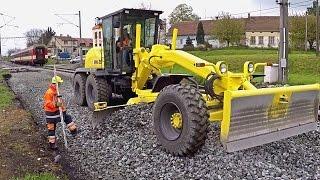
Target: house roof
[[98, 26], [87, 41], [252, 24], [188, 28], [263, 24], [65, 38]]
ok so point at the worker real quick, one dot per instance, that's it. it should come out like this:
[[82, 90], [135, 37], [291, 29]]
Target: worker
[[126, 40], [51, 108]]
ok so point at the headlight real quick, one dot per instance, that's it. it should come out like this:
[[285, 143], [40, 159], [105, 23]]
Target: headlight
[[250, 67], [223, 68]]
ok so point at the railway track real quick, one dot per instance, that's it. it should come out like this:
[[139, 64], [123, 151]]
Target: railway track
[[14, 68], [59, 69]]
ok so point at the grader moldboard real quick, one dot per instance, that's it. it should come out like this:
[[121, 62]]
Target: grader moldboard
[[182, 108]]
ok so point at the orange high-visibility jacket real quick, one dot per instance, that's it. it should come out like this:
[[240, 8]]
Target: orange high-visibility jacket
[[50, 99]]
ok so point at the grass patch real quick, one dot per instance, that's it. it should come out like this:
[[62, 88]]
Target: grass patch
[[42, 176], [6, 96], [304, 67]]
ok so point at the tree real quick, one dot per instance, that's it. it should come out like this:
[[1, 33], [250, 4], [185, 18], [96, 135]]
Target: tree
[[200, 34], [312, 10], [298, 31], [11, 51], [228, 29], [182, 12], [189, 41], [46, 36], [39, 36], [33, 36], [189, 44]]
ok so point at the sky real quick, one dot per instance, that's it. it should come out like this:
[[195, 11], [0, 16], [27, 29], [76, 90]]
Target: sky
[[40, 14]]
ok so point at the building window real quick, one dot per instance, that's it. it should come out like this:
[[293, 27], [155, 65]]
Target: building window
[[181, 41], [99, 45], [260, 40], [96, 35], [95, 45], [253, 40], [65, 42], [100, 35], [271, 40]]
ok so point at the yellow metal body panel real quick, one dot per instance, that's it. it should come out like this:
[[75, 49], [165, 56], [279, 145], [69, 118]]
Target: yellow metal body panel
[[144, 96], [94, 59], [278, 107]]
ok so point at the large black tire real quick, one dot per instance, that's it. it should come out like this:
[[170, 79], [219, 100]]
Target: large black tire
[[187, 101], [97, 90], [79, 89]]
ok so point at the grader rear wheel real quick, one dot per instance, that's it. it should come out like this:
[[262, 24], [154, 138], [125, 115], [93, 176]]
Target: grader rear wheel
[[79, 88], [180, 119], [97, 90]]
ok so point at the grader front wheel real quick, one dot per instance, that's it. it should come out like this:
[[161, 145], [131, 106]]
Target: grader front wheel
[[180, 119], [97, 90]]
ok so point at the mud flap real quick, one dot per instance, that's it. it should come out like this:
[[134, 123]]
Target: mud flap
[[100, 114], [262, 116]]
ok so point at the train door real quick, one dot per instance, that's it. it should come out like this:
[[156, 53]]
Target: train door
[[40, 53]]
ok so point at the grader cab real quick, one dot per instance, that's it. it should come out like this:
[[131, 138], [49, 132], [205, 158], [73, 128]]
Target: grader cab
[[182, 107]]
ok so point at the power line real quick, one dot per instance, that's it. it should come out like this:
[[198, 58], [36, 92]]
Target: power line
[[304, 5], [255, 11], [20, 37], [1, 14], [301, 2], [66, 20], [271, 8]]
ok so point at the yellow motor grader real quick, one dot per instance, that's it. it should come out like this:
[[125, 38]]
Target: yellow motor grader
[[183, 108]]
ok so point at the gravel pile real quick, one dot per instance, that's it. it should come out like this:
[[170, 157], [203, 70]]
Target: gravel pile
[[125, 147]]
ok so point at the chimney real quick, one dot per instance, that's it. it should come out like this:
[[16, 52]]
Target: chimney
[[249, 16]]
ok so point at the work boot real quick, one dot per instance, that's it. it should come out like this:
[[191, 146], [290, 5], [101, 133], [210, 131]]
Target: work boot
[[53, 146], [52, 143], [72, 128]]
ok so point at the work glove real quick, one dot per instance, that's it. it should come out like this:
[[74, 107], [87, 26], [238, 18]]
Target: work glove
[[58, 104]]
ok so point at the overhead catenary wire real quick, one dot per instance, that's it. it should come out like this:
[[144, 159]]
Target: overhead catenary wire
[[271, 8]]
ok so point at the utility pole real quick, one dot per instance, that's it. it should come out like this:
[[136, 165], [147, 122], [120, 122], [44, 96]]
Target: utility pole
[[283, 54], [80, 46], [317, 28], [306, 34], [78, 26]]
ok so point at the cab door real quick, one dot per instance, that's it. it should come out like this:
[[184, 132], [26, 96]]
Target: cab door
[[107, 41]]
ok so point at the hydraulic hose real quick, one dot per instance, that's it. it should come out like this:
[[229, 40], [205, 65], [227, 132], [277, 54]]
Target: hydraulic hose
[[209, 89]]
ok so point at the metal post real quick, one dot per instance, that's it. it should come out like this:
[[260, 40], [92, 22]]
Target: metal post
[[306, 34], [80, 46], [317, 28], [60, 109], [283, 54]]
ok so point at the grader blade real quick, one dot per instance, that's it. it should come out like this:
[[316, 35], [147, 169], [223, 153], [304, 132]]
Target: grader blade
[[100, 114], [262, 116]]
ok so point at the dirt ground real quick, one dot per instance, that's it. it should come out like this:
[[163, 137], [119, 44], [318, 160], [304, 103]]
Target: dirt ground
[[23, 149]]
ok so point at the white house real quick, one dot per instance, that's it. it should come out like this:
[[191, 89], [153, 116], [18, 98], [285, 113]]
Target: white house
[[260, 31]]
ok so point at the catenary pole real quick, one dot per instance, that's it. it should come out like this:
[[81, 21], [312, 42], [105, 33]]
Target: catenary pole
[[283, 49]]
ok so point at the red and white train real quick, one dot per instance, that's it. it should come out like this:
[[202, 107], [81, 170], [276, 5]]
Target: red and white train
[[33, 55]]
